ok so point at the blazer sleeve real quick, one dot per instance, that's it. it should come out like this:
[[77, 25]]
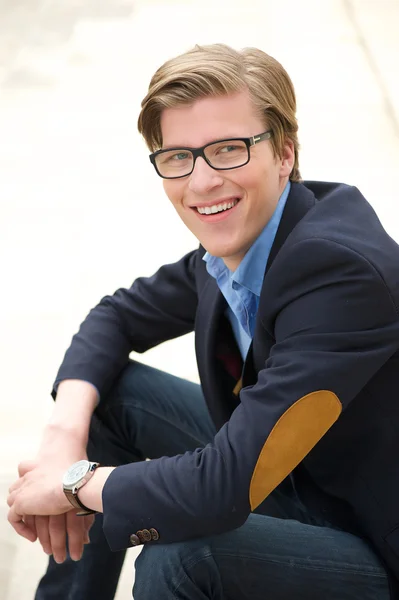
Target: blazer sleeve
[[153, 310], [335, 325]]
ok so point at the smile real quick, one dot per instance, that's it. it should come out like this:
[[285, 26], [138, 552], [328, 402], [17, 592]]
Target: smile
[[216, 208]]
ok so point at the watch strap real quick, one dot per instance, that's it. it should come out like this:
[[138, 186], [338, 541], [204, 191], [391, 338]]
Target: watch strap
[[74, 500]]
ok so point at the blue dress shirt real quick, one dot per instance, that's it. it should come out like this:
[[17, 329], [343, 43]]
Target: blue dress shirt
[[242, 287]]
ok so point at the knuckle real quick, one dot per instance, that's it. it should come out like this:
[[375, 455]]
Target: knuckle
[[43, 532], [57, 527], [21, 468], [58, 541], [75, 534], [74, 524]]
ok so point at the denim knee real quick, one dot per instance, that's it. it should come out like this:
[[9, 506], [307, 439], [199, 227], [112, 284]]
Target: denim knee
[[180, 570], [125, 383]]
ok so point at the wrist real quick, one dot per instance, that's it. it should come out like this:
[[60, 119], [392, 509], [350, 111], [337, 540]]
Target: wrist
[[75, 403], [61, 434], [91, 493]]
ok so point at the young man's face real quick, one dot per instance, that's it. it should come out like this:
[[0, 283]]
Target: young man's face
[[257, 185]]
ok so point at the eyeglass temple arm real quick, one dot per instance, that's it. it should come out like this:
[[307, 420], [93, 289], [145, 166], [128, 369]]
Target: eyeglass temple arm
[[262, 136]]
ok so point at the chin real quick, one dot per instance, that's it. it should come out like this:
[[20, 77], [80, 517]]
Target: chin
[[218, 251]]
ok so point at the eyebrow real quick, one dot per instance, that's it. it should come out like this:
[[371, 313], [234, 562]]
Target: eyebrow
[[228, 137]]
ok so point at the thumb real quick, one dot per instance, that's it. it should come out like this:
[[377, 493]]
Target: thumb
[[25, 466]]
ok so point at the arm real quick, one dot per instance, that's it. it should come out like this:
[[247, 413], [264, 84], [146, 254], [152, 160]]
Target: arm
[[76, 402], [63, 442], [153, 310], [335, 325]]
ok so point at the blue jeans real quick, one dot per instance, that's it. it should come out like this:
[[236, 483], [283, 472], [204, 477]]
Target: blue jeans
[[282, 552]]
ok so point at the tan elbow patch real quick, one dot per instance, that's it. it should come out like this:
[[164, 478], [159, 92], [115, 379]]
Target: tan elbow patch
[[296, 432], [238, 387]]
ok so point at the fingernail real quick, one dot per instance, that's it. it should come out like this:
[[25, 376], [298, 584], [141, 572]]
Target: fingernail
[[76, 558], [59, 559]]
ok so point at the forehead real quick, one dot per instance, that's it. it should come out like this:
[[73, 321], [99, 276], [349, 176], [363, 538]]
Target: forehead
[[209, 119]]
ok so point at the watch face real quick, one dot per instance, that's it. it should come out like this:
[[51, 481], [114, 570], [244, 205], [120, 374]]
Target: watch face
[[76, 472]]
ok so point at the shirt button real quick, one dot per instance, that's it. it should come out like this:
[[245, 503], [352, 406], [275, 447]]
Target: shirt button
[[134, 540], [154, 534]]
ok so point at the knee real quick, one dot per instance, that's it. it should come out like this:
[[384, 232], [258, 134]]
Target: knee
[[133, 385], [161, 569], [164, 560], [125, 381], [124, 392]]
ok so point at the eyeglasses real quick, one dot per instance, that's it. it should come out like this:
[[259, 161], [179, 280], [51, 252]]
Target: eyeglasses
[[221, 155]]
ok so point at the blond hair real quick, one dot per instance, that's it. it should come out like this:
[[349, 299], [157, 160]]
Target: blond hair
[[218, 70]]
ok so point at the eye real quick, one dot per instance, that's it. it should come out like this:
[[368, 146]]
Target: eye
[[173, 157], [228, 148], [178, 156]]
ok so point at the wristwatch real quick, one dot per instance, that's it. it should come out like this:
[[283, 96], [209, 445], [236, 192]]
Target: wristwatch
[[76, 477]]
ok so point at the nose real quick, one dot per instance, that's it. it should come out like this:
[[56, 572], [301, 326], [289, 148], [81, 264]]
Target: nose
[[204, 178]]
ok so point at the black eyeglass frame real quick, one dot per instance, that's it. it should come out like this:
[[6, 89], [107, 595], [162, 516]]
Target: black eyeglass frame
[[196, 152]]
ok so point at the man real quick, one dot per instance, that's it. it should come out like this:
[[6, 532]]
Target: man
[[283, 482]]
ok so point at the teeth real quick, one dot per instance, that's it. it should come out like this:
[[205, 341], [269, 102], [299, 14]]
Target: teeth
[[211, 210]]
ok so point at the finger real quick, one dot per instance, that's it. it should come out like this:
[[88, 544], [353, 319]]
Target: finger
[[15, 486], [11, 498], [43, 533], [89, 522], [30, 522], [76, 529], [57, 531], [20, 527], [25, 466]]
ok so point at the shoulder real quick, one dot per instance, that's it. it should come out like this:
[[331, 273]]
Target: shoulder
[[340, 212], [338, 242], [342, 223]]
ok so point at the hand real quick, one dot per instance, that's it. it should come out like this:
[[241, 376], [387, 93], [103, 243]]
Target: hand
[[59, 449], [37, 492], [52, 530]]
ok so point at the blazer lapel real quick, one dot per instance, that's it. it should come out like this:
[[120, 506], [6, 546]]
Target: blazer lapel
[[209, 311], [300, 200], [209, 334]]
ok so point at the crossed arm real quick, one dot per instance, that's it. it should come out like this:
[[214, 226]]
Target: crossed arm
[[163, 306], [39, 508]]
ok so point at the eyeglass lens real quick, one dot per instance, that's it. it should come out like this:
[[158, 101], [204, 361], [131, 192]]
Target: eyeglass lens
[[221, 155]]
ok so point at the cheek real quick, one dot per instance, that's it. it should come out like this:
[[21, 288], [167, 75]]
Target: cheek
[[252, 181], [261, 178], [173, 191]]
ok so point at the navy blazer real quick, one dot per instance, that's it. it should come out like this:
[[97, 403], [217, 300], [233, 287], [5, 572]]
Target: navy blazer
[[319, 396]]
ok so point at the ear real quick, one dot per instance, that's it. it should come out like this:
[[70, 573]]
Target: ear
[[287, 159]]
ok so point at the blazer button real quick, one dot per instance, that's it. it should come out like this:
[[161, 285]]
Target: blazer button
[[134, 540], [140, 535], [147, 537], [154, 534]]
